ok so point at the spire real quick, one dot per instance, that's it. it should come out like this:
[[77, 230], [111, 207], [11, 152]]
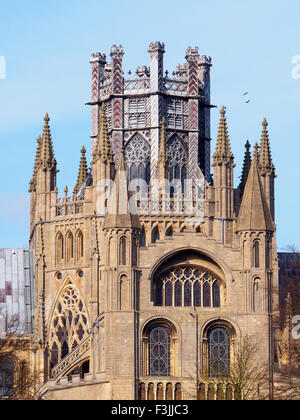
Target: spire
[[223, 152], [265, 158], [47, 159], [36, 164], [103, 148], [83, 170], [246, 167], [254, 214], [121, 211]]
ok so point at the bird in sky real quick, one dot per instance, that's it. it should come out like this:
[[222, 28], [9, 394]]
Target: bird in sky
[[247, 102], [246, 93]]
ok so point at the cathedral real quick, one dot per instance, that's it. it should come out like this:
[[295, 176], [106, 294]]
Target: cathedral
[[144, 278]]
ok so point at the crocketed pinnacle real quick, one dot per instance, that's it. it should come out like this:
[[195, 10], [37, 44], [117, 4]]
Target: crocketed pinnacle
[[103, 148], [47, 159], [36, 164], [246, 167], [83, 170], [223, 152], [265, 158]]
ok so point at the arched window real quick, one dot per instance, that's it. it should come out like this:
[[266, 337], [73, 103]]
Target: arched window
[[178, 161], [69, 246], [159, 351], [79, 245], [137, 158], [218, 351], [256, 254], [69, 325], [143, 237], [155, 235], [122, 251], [256, 296], [59, 247], [169, 232], [188, 286]]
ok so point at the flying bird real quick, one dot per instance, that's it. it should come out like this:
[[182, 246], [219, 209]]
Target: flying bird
[[247, 101], [246, 93]]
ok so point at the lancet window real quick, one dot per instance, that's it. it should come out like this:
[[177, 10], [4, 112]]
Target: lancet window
[[178, 161]]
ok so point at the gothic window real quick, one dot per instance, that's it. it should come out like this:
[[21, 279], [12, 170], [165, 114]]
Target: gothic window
[[69, 246], [218, 352], [143, 237], [59, 247], [188, 286], [79, 244], [155, 235], [159, 351], [178, 161], [137, 158], [122, 251], [69, 324], [256, 254], [169, 232]]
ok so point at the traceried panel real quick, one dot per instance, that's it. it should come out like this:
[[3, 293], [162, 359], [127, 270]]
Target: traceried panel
[[187, 286], [137, 158], [178, 159], [69, 325], [218, 352]]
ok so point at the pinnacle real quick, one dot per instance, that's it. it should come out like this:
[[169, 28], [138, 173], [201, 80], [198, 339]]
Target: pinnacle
[[246, 167], [265, 158], [223, 150], [83, 170], [103, 147]]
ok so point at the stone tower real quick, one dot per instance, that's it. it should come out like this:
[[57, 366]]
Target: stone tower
[[151, 273]]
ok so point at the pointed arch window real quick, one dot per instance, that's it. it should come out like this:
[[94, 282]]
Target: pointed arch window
[[79, 245], [169, 231], [69, 246], [178, 161], [155, 235], [59, 247], [69, 325], [143, 237], [137, 158]]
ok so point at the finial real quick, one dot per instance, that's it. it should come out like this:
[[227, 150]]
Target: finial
[[265, 123], [223, 111], [46, 118], [66, 190]]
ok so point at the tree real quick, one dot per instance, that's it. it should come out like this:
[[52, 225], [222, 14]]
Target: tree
[[16, 378]]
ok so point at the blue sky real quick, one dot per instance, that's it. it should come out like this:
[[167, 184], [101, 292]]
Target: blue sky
[[47, 46]]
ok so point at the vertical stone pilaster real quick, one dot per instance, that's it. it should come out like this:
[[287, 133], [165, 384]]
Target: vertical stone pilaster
[[156, 51], [98, 62], [117, 54]]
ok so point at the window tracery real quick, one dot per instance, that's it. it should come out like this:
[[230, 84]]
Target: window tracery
[[178, 160], [218, 351], [69, 325], [137, 158], [188, 286]]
